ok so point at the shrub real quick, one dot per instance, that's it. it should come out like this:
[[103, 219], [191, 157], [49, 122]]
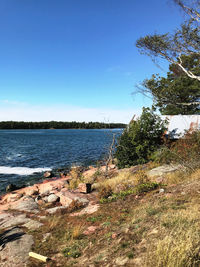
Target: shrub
[[185, 151], [105, 192], [141, 177], [73, 251], [140, 139], [76, 175]]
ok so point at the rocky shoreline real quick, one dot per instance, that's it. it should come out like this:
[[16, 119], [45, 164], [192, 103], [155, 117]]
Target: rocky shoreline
[[26, 209]]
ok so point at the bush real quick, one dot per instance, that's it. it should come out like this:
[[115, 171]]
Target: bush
[[140, 139], [105, 192], [185, 151]]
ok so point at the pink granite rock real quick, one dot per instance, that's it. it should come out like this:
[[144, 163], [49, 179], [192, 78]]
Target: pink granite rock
[[67, 197], [90, 230], [11, 197], [91, 208], [84, 188]]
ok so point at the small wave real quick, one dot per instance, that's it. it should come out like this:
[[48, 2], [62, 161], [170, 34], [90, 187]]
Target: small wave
[[21, 170], [14, 156]]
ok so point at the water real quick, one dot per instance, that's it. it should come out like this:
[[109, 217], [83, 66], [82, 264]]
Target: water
[[25, 154]]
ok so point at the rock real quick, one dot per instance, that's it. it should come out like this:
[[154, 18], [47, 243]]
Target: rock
[[32, 225], [121, 261], [115, 235], [9, 220], [66, 198], [90, 230], [15, 246], [161, 190], [84, 188], [55, 210], [26, 204], [44, 193], [48, 174], [52, 198], [161, 170], [11, 187], [91, 208], [11, 197], [31, 191]]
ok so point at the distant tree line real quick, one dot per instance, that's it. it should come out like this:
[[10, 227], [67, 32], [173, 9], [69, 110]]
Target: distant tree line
[[59, 125]]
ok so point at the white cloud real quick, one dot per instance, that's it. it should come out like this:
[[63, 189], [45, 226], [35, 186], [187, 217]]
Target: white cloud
[[27, 112], [11, 102]]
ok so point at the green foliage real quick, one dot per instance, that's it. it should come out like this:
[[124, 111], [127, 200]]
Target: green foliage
[[73, 251], [183, 41], [142, 188], [139, 189], [177, 93], [140, 139]]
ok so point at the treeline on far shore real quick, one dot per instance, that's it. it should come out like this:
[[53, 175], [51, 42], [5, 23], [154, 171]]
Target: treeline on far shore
[[58, 125]]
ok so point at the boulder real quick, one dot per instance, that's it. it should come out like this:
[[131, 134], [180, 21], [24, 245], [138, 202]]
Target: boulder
[[48, 174], [11, 187], [52, 198], [26, 204], [67, 197], [15, 247], [85, 188]]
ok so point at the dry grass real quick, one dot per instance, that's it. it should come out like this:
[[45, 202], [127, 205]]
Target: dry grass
[[160, 229], [124, 180], [179, 243], [176, 177], [182, 176], [76, 177], [77, 231], [53, 222]]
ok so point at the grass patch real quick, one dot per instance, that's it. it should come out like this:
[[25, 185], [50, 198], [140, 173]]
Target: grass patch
[[180, 245]]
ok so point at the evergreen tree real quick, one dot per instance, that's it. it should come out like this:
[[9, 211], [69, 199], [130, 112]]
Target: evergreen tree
[[177, 93], [140, 139]]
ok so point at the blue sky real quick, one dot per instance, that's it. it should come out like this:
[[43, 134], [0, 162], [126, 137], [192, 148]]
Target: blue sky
[[76, 59]]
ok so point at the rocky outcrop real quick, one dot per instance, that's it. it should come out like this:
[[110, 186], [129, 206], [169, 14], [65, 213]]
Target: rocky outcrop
[[15, 245], [164, 169], [27, 204]]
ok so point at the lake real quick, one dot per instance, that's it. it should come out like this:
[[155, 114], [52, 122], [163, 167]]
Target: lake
[[26, 154]]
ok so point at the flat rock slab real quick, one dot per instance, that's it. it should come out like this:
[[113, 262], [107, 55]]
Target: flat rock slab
[[32, 225], [15, 246], [91, 208], [161, 170], [27, 204], [8, 220]]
